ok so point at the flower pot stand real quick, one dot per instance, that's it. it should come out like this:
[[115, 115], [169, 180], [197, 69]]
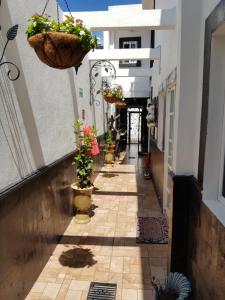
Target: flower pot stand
[[109, 156], [82, 202]]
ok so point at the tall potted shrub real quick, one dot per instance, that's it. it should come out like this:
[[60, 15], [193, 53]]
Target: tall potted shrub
[[59, 45], [87, 147]]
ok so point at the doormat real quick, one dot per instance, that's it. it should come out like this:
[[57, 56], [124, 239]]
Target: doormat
[[103, 291], [152, 230]]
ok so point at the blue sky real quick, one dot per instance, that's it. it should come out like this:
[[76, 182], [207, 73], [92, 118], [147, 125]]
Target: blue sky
[[89, 5]]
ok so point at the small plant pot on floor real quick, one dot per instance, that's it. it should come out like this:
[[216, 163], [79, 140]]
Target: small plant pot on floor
[[109, 156], [82, 202]]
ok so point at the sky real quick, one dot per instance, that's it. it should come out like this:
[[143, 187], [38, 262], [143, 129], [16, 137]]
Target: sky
[[90, 5]]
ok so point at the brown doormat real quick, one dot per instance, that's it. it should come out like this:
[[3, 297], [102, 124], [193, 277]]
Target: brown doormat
[[152, 230]]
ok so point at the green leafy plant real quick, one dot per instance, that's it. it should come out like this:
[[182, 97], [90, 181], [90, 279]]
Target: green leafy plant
[[113, 91], [43, 23], [108, 140], [87, 147]]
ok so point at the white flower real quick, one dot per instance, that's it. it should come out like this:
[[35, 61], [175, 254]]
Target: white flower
[[82, 32]]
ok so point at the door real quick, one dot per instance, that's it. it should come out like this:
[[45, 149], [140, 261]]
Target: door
[[134, 121]]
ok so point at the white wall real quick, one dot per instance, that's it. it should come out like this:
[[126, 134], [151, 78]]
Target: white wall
[[184, 48], [191, 79], [45, 98], [167, 41], [134, 84]]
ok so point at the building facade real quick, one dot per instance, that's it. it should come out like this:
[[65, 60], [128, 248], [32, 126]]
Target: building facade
[[189, 146]]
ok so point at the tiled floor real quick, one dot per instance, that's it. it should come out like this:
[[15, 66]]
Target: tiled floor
[[105, 249]]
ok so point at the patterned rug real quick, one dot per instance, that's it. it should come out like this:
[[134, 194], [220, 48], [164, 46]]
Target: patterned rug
[[152, 230]]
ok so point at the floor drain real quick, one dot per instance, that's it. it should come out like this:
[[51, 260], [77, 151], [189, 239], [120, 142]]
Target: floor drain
[[103, 291]]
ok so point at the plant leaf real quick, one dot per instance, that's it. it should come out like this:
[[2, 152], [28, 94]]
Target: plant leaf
[[12, 32]]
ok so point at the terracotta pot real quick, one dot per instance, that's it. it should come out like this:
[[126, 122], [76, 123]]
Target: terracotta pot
[[109, 156], [150, 125], [120, 104], [111, 148], [109, 99], [57, 49], [82, 202]]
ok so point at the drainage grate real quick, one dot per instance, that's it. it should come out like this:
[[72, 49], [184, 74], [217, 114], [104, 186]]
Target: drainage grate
[[102, 291]]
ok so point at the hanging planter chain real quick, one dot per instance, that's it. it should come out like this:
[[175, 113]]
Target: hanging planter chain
[[67, 6], [52, 41]]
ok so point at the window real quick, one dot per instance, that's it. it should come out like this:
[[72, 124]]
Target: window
[[161, 120], [171, 111], [214, 171], [130, 43]]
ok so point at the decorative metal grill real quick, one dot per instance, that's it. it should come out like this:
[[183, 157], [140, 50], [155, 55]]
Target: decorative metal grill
[[94, 73], [102, 291]]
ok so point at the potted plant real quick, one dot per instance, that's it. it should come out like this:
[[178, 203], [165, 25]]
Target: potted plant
[[87, 147], [59, 45], [109, 148], [120, 104], [113, 94]]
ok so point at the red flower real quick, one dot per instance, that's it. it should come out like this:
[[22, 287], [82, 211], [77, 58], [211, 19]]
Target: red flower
[[87, 130]]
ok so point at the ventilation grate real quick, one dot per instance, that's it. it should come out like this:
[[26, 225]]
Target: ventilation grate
[[102, 291]]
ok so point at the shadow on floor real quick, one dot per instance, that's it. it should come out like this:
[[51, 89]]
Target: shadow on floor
[[77, 258], [109, 175]]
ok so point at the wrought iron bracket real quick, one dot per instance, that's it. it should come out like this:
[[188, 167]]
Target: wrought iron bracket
[[10, 35], [94, 73]]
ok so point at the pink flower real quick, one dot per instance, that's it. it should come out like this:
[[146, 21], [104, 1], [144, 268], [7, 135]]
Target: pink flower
[[36, 15], [87, 130], [95, 148], [79, 21]]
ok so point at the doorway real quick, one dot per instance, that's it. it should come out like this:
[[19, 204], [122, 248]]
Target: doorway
[[134, 122]]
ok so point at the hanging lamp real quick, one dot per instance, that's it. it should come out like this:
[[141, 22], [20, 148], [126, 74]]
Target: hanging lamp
[[59, 45]]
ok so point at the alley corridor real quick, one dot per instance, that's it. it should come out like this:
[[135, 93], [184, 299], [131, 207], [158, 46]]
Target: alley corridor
[[105, 250]]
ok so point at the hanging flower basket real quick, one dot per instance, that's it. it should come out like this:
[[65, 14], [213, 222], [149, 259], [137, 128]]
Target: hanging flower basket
[[59, 45], [110, 99], [113, 94], [57, 49], [120, 104]]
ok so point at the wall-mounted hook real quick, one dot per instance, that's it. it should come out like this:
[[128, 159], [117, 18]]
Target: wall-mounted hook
[[10, 35]]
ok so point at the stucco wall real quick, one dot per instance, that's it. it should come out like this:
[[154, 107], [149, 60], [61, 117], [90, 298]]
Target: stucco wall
[[184, 48], [47, 100], [134, 85], [167, 41]]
